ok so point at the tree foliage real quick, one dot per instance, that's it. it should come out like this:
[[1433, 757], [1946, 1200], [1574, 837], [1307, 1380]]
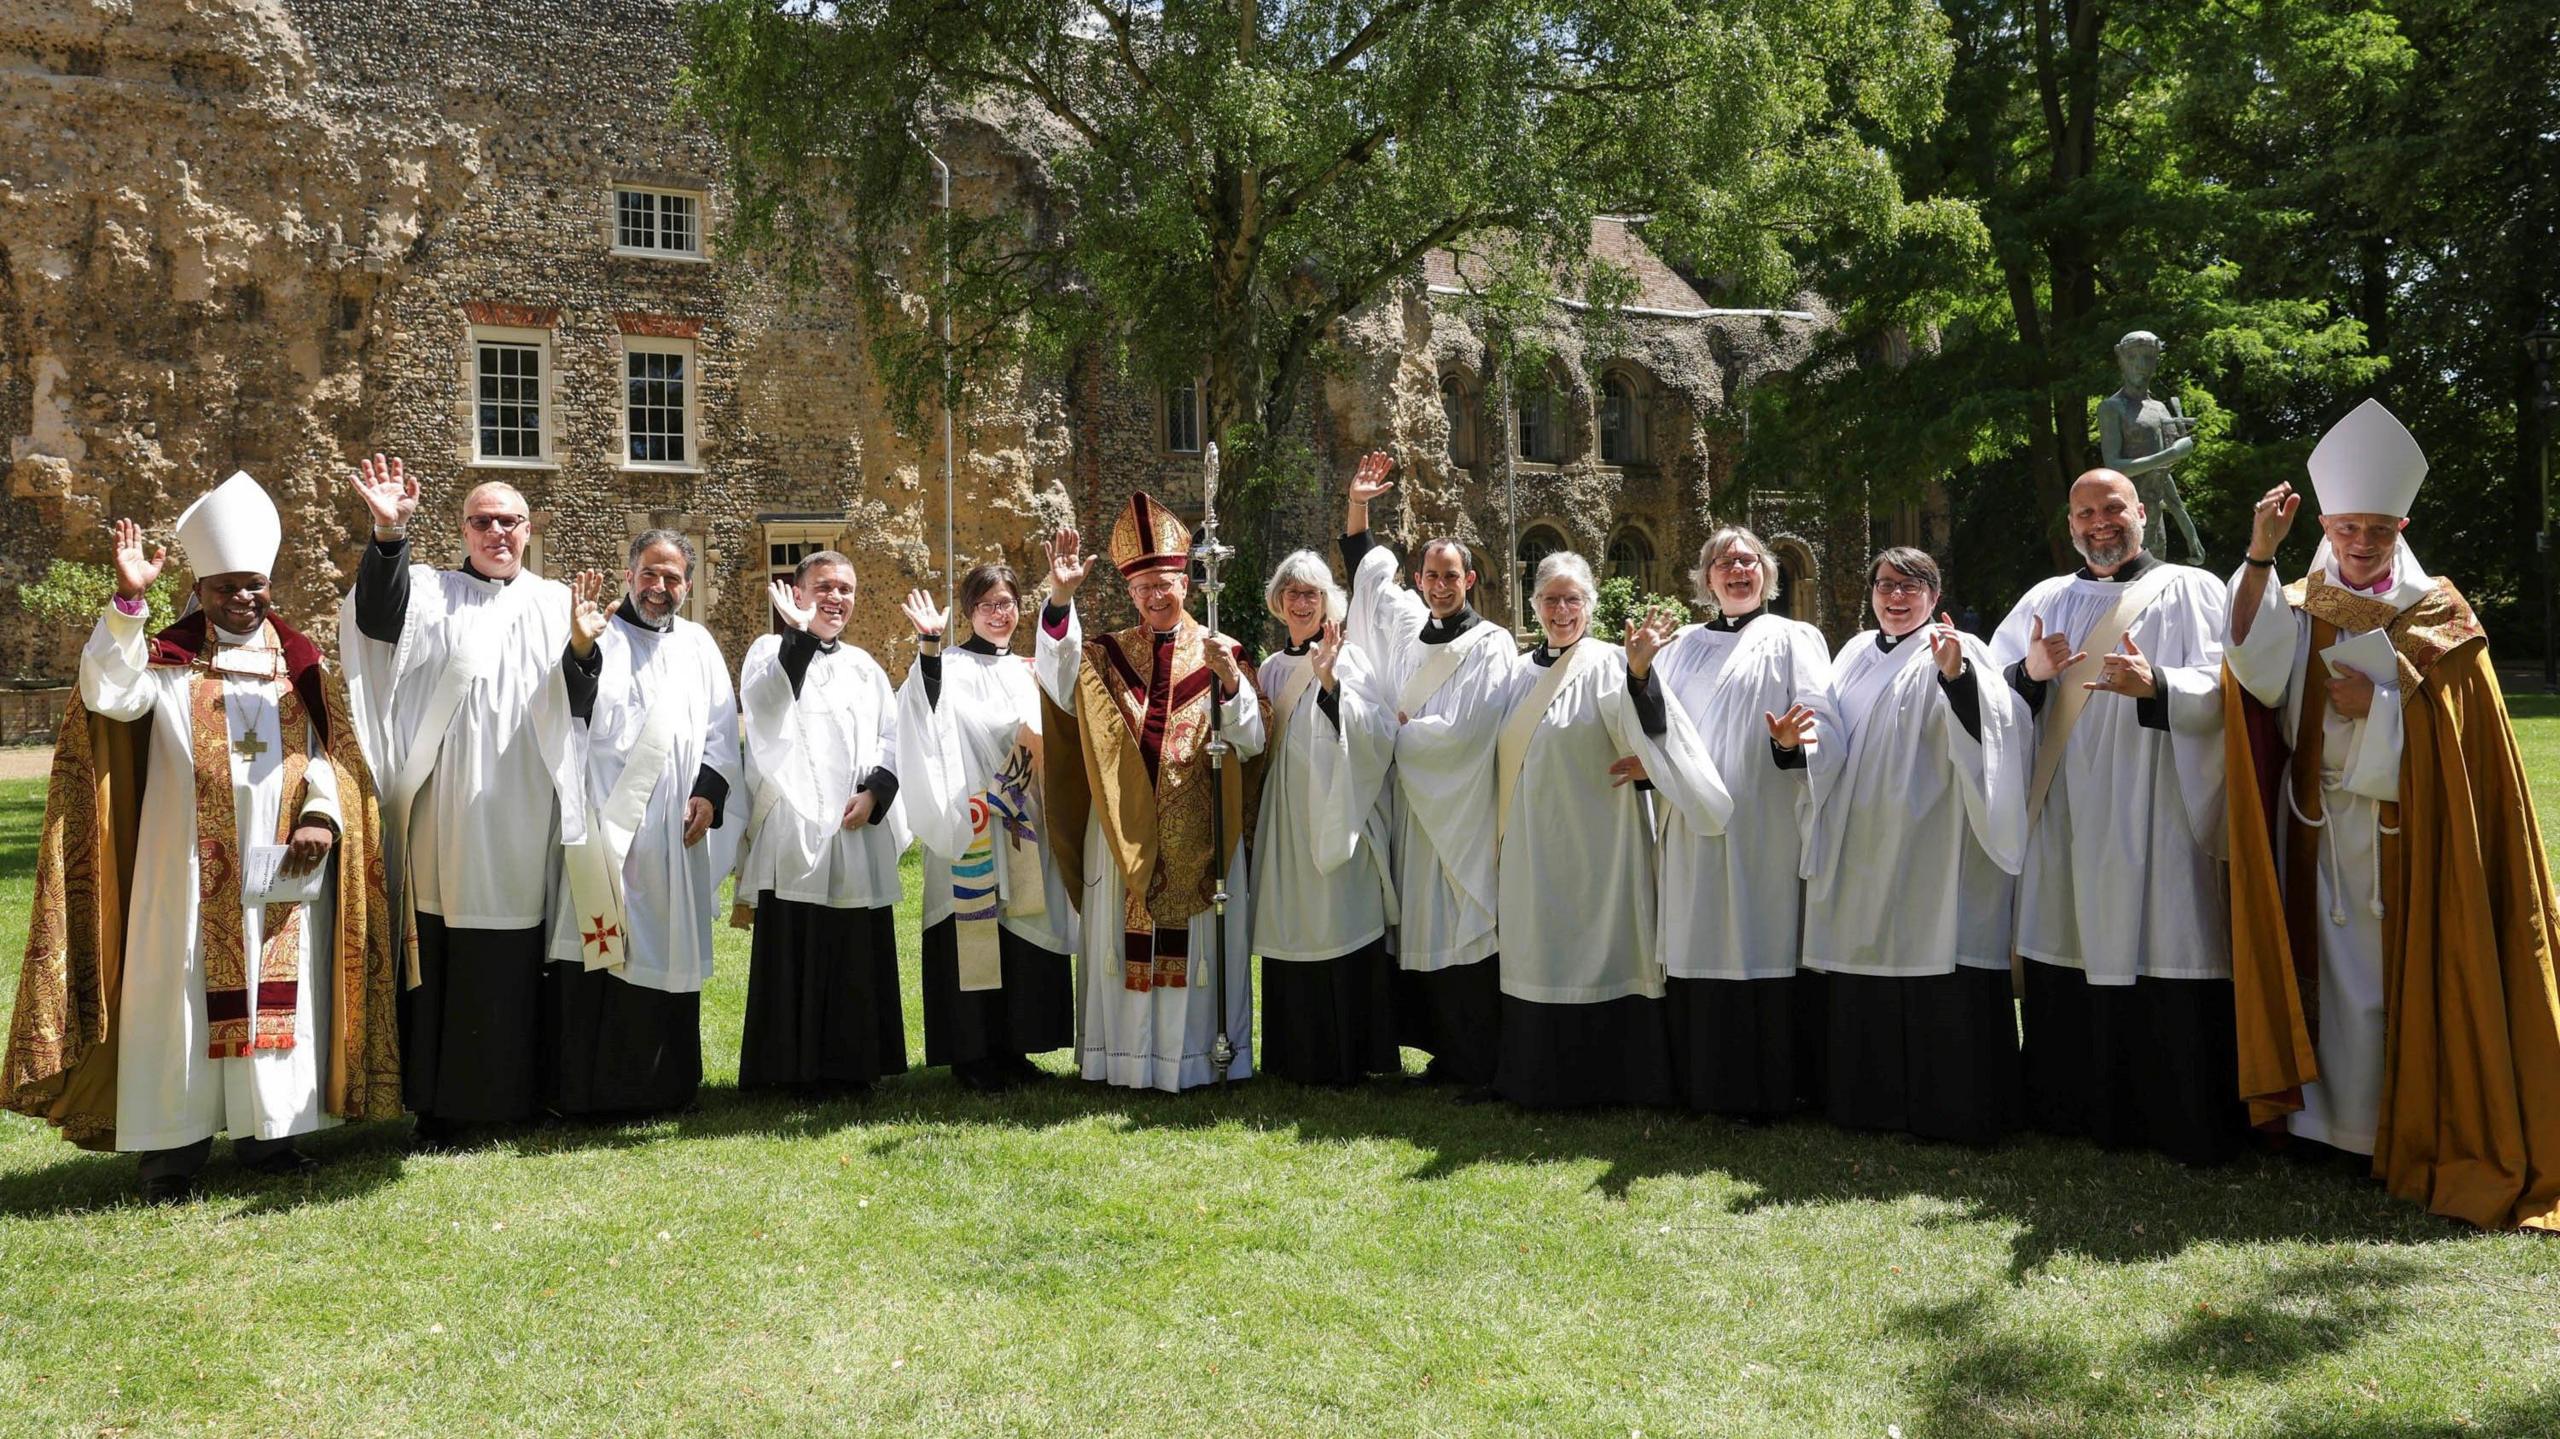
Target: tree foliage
[[72, 593], [2309, 203], [1227, 180]]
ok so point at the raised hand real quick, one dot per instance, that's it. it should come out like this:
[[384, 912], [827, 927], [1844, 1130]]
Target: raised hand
[[786, 603], [586, 611], [1947, 647], [2126, 672], [1626, 770], [1067, 565], [1646, 635], [2048, 655], [1328, 650], [923, 613], [1370, 481], [388, 491], [1792, 730], [135, 570], [2271, 521]]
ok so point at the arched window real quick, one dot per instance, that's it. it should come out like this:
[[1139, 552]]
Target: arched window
[[1538, 438], [1631, 557], [1621, 421], [1536, 543], [1796, 599], [1458, 406]]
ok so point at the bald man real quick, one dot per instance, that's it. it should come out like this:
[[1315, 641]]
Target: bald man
[[467, 682], [2122, 928]]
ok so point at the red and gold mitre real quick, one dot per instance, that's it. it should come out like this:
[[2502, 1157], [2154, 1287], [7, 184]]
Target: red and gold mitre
[[1148, 536]]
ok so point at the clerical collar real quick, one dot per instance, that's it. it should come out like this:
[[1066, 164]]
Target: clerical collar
[[230, 637], [1437, 631], [2381, 586], [1886, 644], [1732, 624], [2141, 561], [1295, 648], [629, 614], [472, 570], [1546, 654], [978, 644]]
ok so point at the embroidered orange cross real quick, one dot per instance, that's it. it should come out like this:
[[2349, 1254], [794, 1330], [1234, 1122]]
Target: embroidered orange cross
[[600, 939]]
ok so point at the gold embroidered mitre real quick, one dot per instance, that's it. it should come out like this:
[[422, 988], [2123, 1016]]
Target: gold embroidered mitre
[[1147, 536]]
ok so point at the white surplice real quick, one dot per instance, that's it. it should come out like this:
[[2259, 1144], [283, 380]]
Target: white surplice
[[669, 890], [169, 1091], [1577, 896], [949, 755], [483, 844], [2359, 773], [2124, 874], [1733, 903], [1319, 854], [805, 756], [1156, 1038], [1446, 859], [1912, 862]]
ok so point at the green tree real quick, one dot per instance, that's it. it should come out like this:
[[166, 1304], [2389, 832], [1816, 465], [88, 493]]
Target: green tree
[[72, 593], [1228, 180]]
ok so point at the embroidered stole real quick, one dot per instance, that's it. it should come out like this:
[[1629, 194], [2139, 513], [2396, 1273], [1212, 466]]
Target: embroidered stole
[[242, 1020], [1155, 690], [997, 874]]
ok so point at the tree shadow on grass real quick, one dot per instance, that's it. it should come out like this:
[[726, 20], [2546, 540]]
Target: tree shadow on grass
[[2057, 1197], [1988, 1376], [354, 1161]]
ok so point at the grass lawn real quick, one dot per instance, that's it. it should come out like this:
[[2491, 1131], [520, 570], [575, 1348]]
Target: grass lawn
[[1268, 1261]]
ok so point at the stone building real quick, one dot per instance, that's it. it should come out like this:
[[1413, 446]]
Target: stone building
[[280, 234]]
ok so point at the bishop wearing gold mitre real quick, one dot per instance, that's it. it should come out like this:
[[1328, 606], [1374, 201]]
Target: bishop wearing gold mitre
[[1126, 719], [2392, 915]]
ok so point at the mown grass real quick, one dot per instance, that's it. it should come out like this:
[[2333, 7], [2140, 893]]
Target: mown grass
[[1269, 1260]]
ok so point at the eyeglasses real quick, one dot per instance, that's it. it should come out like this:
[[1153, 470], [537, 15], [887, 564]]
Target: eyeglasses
[[1900, 589], [1000, 605], [1737, 563], [503, 524], [1562, 602]]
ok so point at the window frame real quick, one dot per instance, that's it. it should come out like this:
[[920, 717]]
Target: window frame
[[1633, 437], [692, 409], [701, 251], [1462, 417], [546, 400], [1199, 391]]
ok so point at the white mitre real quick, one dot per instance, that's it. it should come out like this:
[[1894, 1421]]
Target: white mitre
[[2368, 464], [231, 529]]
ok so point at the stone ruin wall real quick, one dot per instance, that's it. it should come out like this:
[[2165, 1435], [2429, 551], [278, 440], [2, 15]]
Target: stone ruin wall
[[250, 234], [244, 234]]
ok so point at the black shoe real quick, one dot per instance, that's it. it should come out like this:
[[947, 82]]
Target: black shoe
[[1476, 1094], [438, 1136], [981, 1076], [288, 1162], [168, 1189], [1023, 1071]]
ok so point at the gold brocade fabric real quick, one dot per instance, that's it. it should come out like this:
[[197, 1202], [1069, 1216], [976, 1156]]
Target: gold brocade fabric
[[2470, 1121], [243, 1013], [1135, 756]]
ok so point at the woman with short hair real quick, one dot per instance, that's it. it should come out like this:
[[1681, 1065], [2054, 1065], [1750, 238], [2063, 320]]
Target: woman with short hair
[[1320, 908], [1915, 852], [1582, 1018], [1745, 1020], [998, 982]]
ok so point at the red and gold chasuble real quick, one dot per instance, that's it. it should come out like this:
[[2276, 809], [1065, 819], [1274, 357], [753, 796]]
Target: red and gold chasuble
[[1137, 758]]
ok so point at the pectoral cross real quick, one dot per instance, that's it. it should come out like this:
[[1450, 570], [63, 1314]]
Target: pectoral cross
[[249, 746]]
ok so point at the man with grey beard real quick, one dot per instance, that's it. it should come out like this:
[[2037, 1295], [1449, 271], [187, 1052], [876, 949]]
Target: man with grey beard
[[2121, 908]]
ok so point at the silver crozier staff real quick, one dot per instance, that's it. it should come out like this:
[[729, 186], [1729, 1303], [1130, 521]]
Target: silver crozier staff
[[1212, 557]]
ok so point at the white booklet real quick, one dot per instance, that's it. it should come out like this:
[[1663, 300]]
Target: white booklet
[[2368, 654], [263, 880]]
